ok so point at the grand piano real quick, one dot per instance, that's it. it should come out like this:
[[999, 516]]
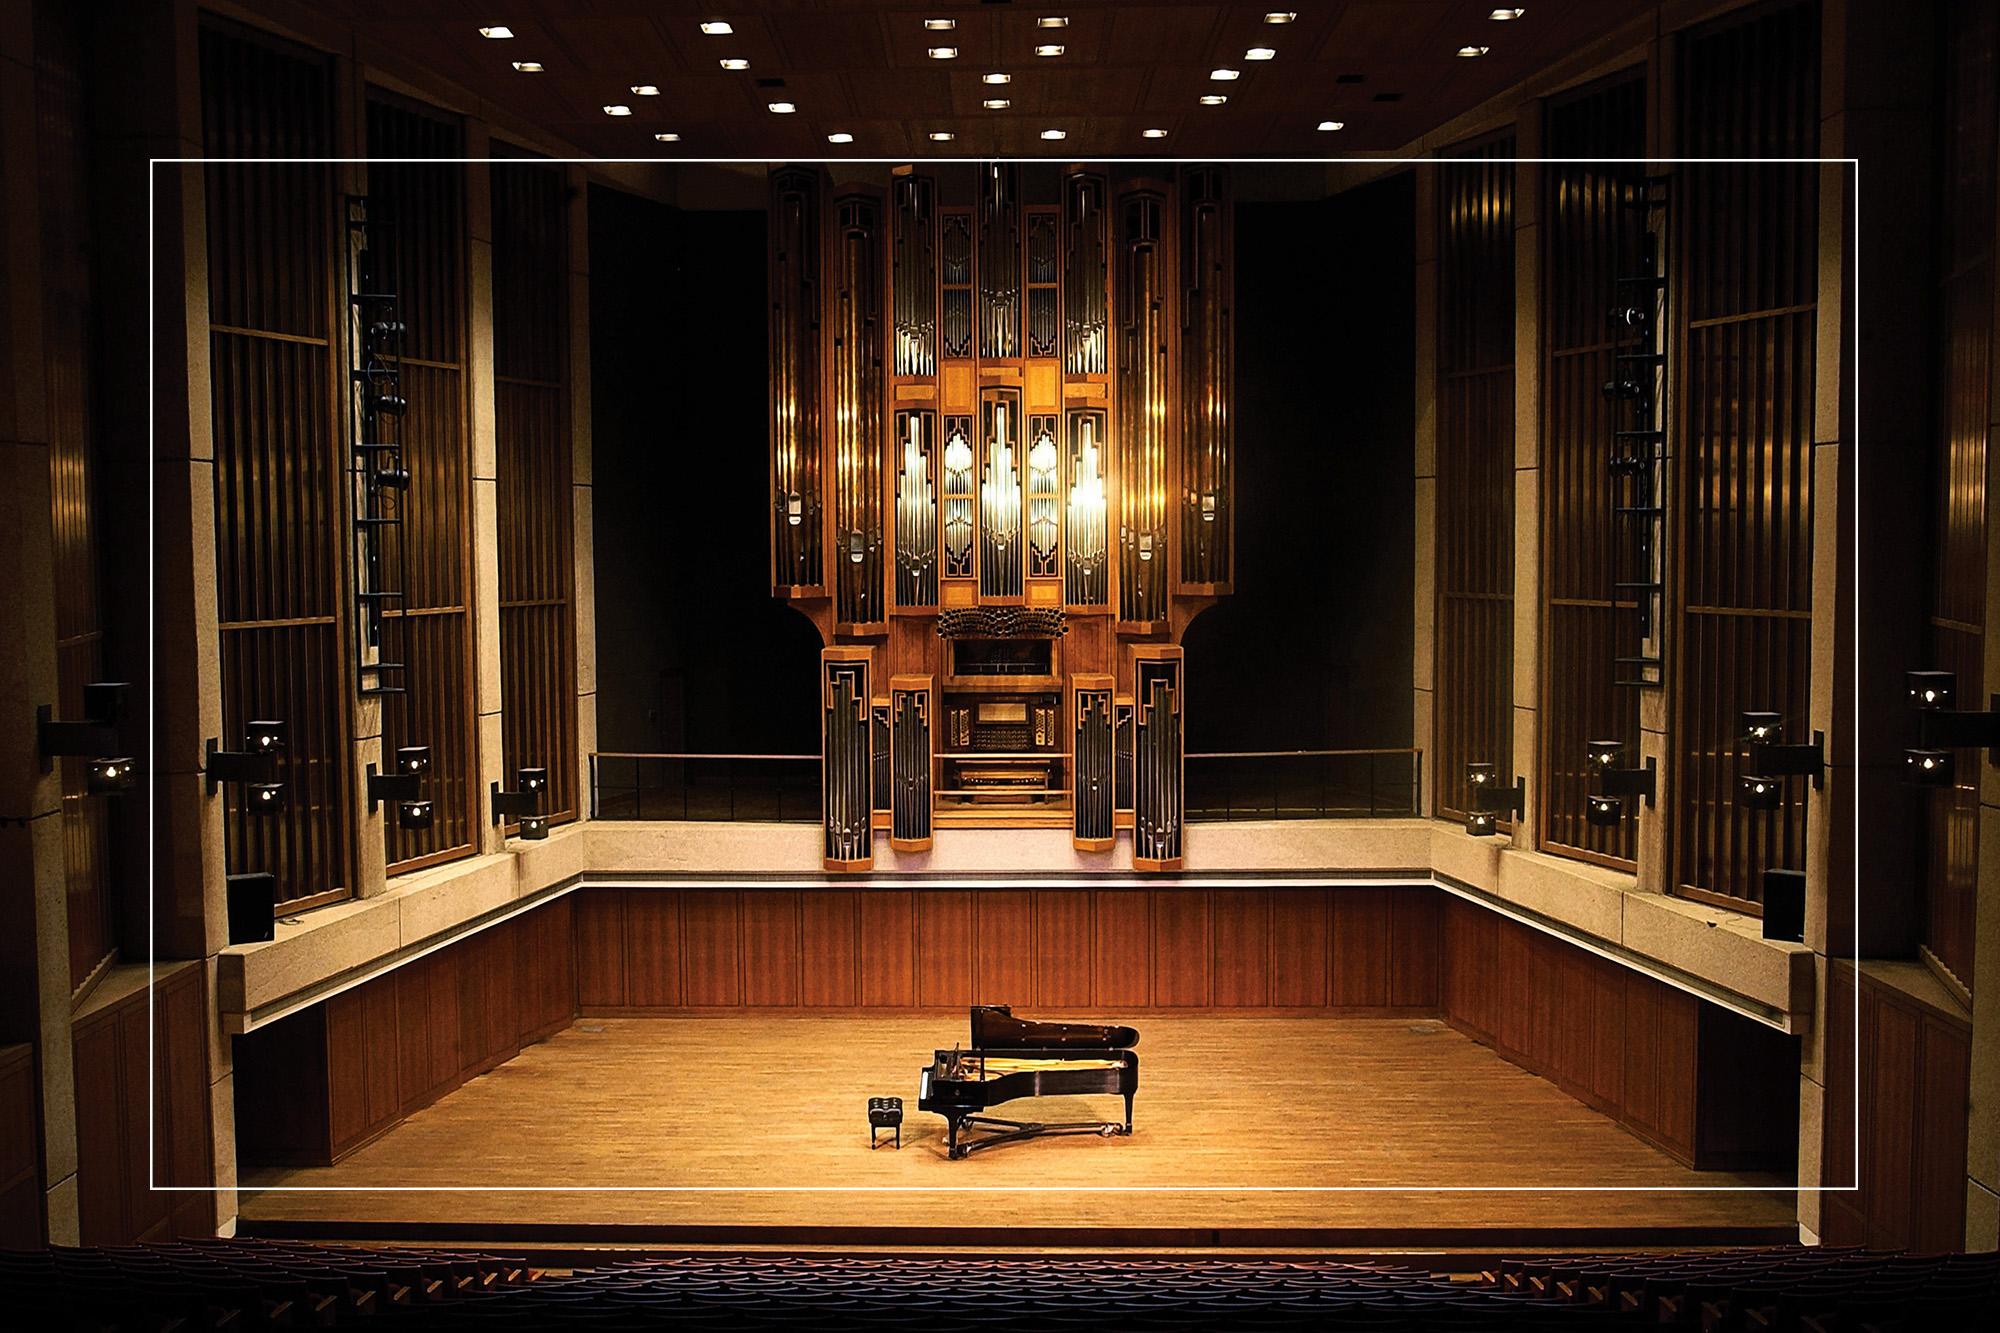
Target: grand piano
[[1014, 1057]]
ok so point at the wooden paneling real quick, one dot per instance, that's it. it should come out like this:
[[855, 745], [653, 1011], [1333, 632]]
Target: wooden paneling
[[20, 1151], [534, 473], [131, 1135], [1697, 1080], [1475, 468], [318, 1084], [1114, 949], [1965, 417], [1913, 1091], [1747, 259], [62, 156], [416, 215], [1587, 234], [279, 514]]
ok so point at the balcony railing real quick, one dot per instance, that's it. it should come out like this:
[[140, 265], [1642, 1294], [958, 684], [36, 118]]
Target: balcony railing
[[1223, 785]]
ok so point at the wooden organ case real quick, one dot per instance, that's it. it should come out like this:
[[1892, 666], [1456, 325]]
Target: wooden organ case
[[1002, 467]]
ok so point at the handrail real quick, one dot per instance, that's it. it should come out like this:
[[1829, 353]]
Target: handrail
[[1291, 754], [650, 754]]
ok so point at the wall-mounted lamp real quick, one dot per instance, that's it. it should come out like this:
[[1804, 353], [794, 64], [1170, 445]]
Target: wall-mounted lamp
[[94, 736], [1767, 758], [1942, 729], [404, 787], [109, 777], [524, 804], [1611, 779], [255, 766], [1757, 792], [1603, 811], [1490, 800]]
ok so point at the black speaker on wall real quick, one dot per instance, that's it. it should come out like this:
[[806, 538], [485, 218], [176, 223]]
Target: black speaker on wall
[[253, 900], [1785, 905]]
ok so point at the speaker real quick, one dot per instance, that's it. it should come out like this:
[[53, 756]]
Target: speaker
[[253, 901], [1785, 905]]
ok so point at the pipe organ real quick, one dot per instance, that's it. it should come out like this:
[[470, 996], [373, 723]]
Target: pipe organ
[[1002, 464]]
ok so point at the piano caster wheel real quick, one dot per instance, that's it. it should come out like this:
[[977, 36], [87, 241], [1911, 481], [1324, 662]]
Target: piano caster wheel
[[957, 1153], [1107, 1131]]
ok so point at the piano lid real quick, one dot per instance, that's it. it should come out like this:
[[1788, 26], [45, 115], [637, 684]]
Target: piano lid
[[994, 1028]]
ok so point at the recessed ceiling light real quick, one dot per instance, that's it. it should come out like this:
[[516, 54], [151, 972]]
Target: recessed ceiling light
[[1213, 99], [940, 25], [1471, 52], [996, 78], [1333, 124], [781, 108], [942, 53], [996, 104], [717, 28], [1153, 134], [668, 136], [1050, 50], [1280, 16], [528, 66], [1055, 134], [1223, 75], [840, 136], [1506, 15], [1261, 53], [941, 136], [735, 62], [1051, 21], [645, 90], [617, 110], [496, 33]]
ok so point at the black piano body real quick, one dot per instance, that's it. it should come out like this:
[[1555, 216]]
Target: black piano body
[[1012, 1058]]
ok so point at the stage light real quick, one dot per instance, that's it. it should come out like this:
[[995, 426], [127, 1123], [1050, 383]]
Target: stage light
[[1765, 757], [265, 737], [533, 779], [1261, 53], [528, 66], [716, 28], [840, 136], [414, 816], [942, 53], [1224, 75], [1489, 797], [523, 804], [1472, 52], [1603, 811], [781, 108], [498, 32], [413, 759], [1931, 689], [1929, 768], [734, 62], [534, 828], [1603, 754], [1052, 49], [645, 90], [996, 104], [1757, 727], [996, 78], [1610, 779], [1152, 134], [1333, 124], [256, 763], [110, 777], [395, 478], [617, 109], [266, 798], [668, 137], [1480, 775], [1481, 823], [1761, 793], [1213, 99]]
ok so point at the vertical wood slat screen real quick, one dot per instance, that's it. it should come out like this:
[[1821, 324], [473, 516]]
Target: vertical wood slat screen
[[416, 213], [62, 124], [1475, 468], [1748, 268], [280, 522], [1958, 605], [1586, 233], [537, 565]]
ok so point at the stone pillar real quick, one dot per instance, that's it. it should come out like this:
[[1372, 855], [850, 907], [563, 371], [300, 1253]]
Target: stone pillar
[[1424, 639], [1650, 849], [485, 487], [1526, 684], [585, 586]]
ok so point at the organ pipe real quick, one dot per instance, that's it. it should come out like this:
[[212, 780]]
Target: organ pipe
[[1207, 458], [846, 748], [796, 554], [1157, 769], [857, 411], [1142, 408]]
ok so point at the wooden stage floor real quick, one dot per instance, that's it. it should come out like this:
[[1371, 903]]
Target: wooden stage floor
[[759, 1123]]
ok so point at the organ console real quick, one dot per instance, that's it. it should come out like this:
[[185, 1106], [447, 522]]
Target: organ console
[[1012, 1058], [1002, 465]]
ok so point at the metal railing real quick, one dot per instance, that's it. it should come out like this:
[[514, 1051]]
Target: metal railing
[[1222, 785], [1304, 784], [766, 788]]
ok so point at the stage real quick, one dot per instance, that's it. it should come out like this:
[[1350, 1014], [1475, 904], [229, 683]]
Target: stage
[[1250, 1133]]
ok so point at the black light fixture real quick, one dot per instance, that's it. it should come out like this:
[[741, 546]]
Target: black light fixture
[[403, 785], [1603, 811], [265, 798], [1942, 729], [1929, 768], [255, 764], [1610, 778], [110, 776], [414, 815], [1770, 760], [95, 735], [1758, 792], [524, 804], [252, 904], [1490, 800]]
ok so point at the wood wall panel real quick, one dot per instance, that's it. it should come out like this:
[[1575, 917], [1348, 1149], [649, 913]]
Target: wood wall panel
[[1691, 1077], [653, 966], [1914, 1071], [1746, 255], [117, 1113], [1182, 949], [711, 948], [1004, 946], [20, 1150], [1299, 924], [1241, 976], [1412, 953], [888, 948], [830, 930], [1065, 953], [945, 956], [1361, 948], [1119, 925], [771, 948]]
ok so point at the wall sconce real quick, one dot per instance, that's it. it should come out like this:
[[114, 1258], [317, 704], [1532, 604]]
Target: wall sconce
[[1603, 811], [1490, 800], [404, 787], [255, 765], [1768, 758], [94, 736], [1756, 792], [524, 804], [1942, 729], [1611, 780], [110, 777]]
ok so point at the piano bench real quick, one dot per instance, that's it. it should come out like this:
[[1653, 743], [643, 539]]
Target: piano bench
[[885, 1113]]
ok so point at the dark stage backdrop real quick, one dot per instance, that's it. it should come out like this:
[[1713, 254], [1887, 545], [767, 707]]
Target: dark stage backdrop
[[1312, 651]]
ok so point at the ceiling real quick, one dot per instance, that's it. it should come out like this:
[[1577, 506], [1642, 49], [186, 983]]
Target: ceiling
[[1387, 69]]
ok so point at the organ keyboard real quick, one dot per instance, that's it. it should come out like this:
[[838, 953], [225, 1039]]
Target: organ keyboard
[[1013, 1058]]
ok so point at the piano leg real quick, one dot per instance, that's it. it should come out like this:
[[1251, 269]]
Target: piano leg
[[1128, 1113]]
